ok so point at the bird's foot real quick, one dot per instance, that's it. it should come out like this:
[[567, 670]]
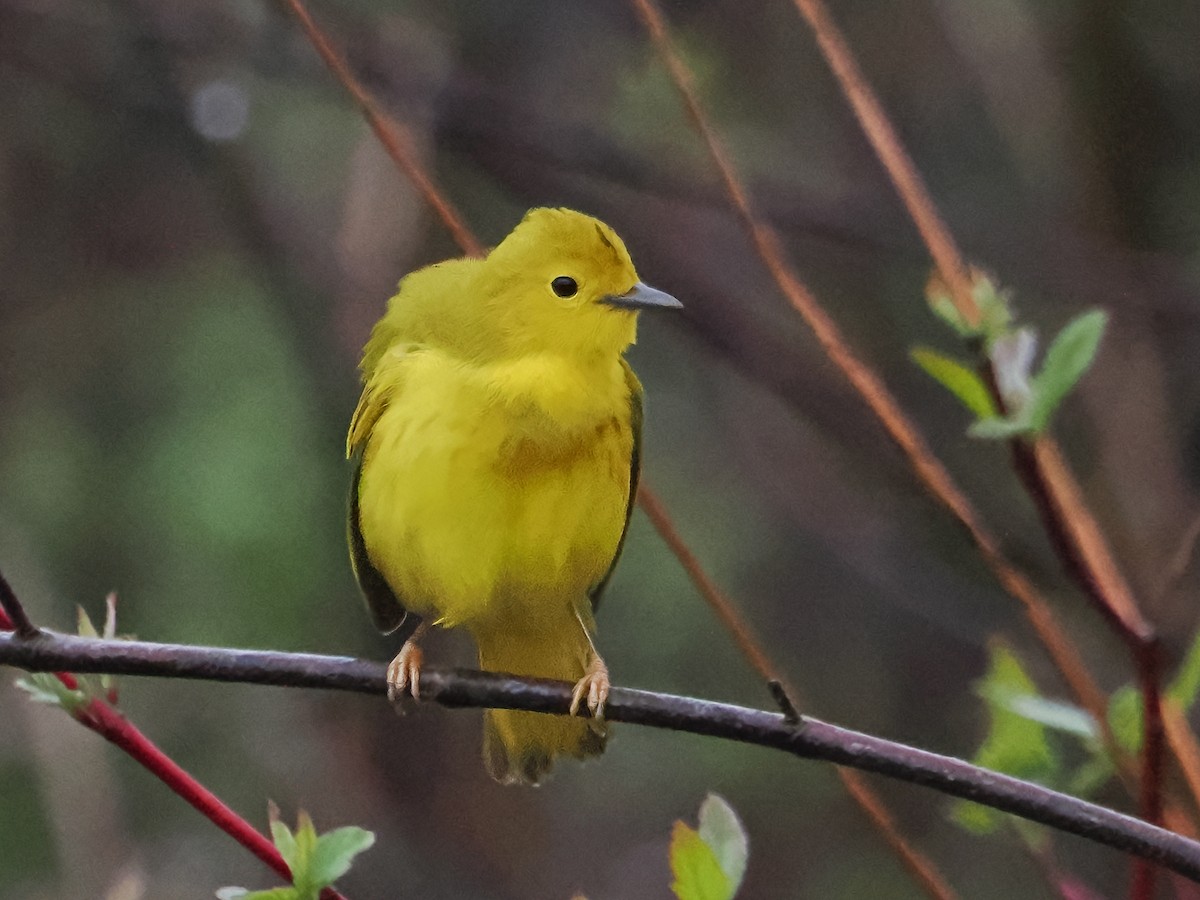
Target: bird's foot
[[404, 672], [594, 686]]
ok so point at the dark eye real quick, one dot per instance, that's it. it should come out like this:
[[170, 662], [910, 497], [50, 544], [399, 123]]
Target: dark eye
[[564, 286]]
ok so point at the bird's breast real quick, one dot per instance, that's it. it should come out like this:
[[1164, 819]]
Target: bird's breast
[[479, 502]]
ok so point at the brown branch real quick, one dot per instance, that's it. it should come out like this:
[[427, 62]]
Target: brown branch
[[396, 140], [904, 175], [918, 865], [811, 739], [1183, 743], [786, 696], [1086, 554], [929, 470]]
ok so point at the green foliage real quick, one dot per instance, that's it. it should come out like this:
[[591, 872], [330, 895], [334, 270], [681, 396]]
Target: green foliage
[[1015, 744], [316, 861], [709, 863], [993, 304], [963, 382], [1067, 360], [46, 687], [1018, 742], [1030, 400]]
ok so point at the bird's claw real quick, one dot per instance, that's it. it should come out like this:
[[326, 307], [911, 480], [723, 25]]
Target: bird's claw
[[594, 685], [404, 673]]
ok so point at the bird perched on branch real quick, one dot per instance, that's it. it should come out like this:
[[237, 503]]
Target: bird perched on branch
[[496, 448]]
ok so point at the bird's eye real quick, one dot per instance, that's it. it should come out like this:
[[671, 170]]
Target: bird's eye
[[564, 286]]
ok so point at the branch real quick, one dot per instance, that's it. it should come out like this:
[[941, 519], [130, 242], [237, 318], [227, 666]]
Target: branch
[[932, 474], [12, 613], [811, 739]]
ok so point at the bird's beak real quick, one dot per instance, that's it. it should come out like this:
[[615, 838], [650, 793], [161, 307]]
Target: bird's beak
[[642, 296]]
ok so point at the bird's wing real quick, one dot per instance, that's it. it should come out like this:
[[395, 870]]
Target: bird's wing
[[387, 612], [635, 469]]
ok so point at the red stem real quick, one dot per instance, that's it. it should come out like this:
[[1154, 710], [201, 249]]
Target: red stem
[[103, 719], [114, 727]]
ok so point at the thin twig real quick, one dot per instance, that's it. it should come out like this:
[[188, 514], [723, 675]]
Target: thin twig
[[929, 470], [813, 739], [15, 617], [1179, 561], [786, 697], [396, 140], [1083, 549], [1183, 743], [917, 863], [721, 604], [882, 136], [1098, 574]]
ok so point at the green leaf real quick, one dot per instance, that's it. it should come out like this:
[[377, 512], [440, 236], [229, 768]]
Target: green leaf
[[1186, 685], [238, 893], [721, 829], [1068, 358], [44, 687], [1015, 745], [995, 307], [285, 843], [1000, 429], [83, 624], [335, 851], [1125, 718], [944, 308], [957, 378], [698, 875], [1055, 714]]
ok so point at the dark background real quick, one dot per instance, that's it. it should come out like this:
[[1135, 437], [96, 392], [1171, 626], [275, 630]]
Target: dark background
[[197, 231]]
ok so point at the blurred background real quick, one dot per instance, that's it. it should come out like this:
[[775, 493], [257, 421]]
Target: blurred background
[[197, 231]]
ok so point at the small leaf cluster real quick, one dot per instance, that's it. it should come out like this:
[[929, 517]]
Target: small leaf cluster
[[316, 861], [1058, 744], [47, 687], [709, 862], [1027, 400]]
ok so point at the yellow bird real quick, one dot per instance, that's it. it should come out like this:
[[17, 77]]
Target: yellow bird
[[496, 448]]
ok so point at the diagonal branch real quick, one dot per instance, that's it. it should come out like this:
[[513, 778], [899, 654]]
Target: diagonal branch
[[919, 866], [929, 469], [1069, 522], [810, 739]]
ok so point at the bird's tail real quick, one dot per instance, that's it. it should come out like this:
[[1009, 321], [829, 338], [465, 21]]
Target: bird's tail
[[520, 747]]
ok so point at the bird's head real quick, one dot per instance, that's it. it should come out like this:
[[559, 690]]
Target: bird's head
[[565, 284]]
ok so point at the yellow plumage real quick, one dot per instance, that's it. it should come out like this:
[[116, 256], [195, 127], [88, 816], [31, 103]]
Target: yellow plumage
[[497, 446]]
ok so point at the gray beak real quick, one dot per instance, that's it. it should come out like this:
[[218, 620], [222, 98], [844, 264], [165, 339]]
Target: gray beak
[[642, 296]]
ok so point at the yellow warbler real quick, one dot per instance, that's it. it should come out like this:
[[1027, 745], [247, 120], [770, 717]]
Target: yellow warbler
[[496, 445]]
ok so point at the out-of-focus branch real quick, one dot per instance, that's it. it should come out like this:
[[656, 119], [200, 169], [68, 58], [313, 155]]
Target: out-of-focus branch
[[809, 739], [900, 168], [919, 866], [392, 135], [932, 474], [1070, 523]]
